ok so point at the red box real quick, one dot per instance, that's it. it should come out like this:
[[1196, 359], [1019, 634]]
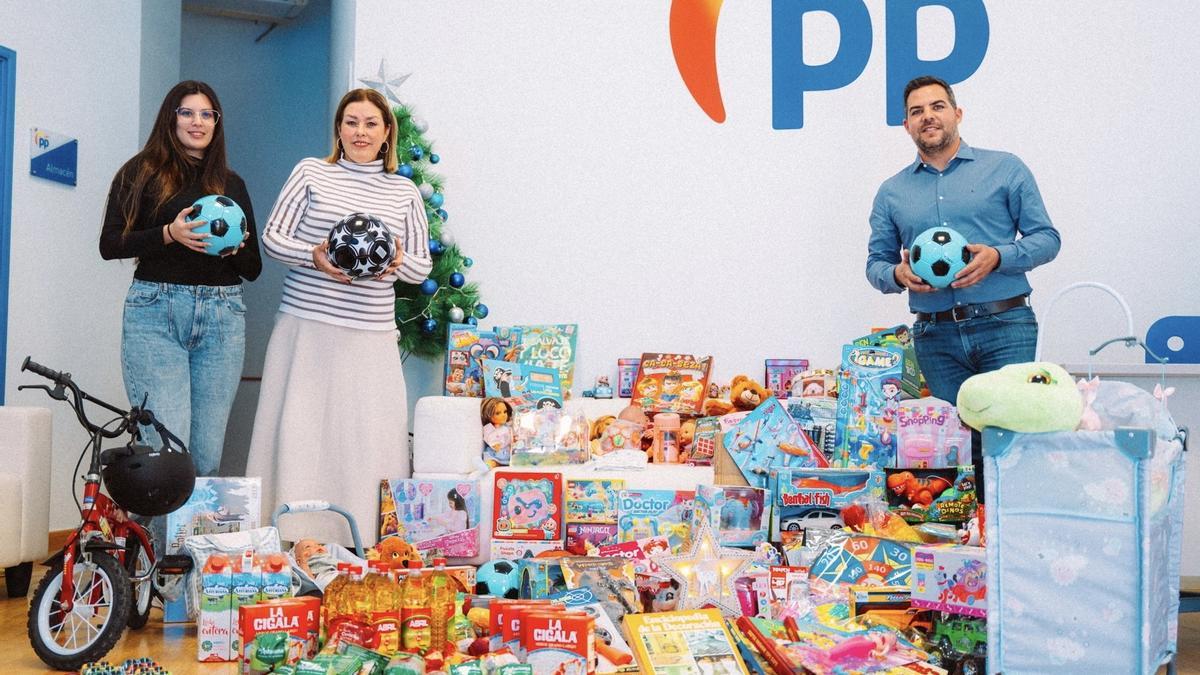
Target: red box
[[559, 641], [300, 618]]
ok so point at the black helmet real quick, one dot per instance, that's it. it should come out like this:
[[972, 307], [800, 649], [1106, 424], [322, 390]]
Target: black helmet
[[148, 481]]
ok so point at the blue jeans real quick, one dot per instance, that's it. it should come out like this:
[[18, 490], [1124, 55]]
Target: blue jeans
[[182, 347], [949, 352]]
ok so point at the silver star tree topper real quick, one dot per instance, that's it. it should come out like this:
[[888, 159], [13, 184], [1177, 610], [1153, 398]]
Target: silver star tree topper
[[384, 84]]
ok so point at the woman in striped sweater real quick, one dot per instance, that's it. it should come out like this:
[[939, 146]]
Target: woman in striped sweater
[[332, 411]]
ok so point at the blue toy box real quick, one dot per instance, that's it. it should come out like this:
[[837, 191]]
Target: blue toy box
[[950, 578], [738, 515], [869, 394]]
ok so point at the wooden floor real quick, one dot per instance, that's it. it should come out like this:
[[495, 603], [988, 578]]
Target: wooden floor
[[174, 645]]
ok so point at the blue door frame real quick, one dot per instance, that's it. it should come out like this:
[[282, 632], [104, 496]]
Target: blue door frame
[[8, 98]]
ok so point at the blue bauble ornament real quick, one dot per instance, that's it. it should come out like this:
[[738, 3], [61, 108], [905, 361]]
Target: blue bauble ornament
[[467, 262], [443, 215], [433, 158], [405, 170], [428, 326], [416, 152], [436, 247], [429, 287], [472, 321], [436, 200], [481, 310], [457, 280]]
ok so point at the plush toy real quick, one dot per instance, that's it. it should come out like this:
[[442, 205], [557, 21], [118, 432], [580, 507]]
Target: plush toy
[[394, 550], [744, 394], [1025, 397]]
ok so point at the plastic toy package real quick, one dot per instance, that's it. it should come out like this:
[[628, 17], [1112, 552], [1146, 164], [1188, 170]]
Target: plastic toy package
[[813, 498], [441, 515], [929, 435], [932, 495], [527, 506], [550, 436], [768, 438], [738, 515], [611, 581]]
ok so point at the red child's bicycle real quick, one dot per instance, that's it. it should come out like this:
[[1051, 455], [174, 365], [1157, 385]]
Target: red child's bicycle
[[103, 579]]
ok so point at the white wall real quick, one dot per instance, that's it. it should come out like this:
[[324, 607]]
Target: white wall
[[77, 74], [590, 188]]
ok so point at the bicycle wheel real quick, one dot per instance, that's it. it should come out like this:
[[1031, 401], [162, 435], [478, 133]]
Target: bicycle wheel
[[67, 640], [142, 592]]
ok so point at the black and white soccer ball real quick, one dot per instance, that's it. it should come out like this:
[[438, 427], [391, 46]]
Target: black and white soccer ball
[[361, 245]]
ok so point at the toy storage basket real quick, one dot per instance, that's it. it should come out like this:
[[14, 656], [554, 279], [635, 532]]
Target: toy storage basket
[[1084, 533]]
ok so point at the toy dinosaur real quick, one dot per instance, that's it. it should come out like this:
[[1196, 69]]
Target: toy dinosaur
[[917, 490], [1026, 397]]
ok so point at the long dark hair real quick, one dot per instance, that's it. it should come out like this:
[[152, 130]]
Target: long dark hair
[[159, 168]]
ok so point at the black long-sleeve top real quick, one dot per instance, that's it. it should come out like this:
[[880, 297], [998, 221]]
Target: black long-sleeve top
[[172, 262]]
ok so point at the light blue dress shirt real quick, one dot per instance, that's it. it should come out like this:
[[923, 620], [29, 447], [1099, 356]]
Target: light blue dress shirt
[[985, 195]]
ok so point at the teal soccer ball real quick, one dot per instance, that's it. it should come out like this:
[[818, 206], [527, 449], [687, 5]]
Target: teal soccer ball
[[937, 254], [223, 219]]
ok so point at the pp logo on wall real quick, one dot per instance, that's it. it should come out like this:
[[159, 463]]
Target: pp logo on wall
[[53, 156], [693, 28]]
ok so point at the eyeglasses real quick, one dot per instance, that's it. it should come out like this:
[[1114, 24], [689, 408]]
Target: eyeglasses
[[206, 116]]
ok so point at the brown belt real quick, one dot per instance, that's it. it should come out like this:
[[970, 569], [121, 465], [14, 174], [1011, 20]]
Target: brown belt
[[964, 312]]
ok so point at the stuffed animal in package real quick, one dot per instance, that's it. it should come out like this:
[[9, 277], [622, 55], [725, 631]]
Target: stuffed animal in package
[[1026, 397]]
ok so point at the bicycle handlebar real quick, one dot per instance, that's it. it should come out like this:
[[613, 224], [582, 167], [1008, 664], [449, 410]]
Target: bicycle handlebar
[[78, 396], [59, 378]]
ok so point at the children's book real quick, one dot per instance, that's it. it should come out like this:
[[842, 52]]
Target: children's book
[[438, 517], [649, 513], [551, 346], [683, 641], [467, 347], [527, 505], [768, 438], [525, 387], [672, 383]]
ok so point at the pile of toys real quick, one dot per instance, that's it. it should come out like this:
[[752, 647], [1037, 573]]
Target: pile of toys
[[852, 546]]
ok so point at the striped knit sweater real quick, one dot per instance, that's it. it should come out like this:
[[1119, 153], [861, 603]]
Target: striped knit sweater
[[316, 196]]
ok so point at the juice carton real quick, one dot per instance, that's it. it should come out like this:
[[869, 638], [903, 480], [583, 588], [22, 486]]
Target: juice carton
[[559, 641], [214, 628], [277, 632], [276, 577], [247, 584]]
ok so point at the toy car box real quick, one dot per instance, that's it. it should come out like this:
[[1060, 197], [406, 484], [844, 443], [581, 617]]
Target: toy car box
[[813, 498]]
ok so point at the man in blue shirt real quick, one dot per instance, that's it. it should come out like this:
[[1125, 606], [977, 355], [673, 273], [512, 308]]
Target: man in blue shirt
[[982, 321]]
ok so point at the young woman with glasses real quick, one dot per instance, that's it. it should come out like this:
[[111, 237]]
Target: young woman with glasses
[[332, 415], [183, 335]]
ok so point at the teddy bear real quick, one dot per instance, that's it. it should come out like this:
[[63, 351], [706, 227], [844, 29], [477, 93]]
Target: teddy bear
[[394, 550], [687, 436], [744, 394]]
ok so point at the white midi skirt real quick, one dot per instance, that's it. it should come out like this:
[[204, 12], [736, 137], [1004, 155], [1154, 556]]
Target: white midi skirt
[[332, 422]]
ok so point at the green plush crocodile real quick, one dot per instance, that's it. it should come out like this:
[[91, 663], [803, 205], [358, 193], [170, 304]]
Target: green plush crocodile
[[1026, 397]]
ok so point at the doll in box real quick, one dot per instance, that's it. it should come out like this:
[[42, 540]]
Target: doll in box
[[496, 414]]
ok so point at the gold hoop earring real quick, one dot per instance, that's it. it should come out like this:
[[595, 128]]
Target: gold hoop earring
[[383, 150]]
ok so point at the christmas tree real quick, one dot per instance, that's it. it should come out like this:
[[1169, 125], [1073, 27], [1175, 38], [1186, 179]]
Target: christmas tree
[[424, 311]]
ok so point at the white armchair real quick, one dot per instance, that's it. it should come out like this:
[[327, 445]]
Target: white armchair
[[25, 435]]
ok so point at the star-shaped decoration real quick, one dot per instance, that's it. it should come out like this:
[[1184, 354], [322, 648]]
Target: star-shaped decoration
[[707, 571], [384, 84]]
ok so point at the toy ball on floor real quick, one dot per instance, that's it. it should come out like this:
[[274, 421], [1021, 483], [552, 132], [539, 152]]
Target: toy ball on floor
[[499, 578], [224, 221], [361, 245], [937, 254]]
